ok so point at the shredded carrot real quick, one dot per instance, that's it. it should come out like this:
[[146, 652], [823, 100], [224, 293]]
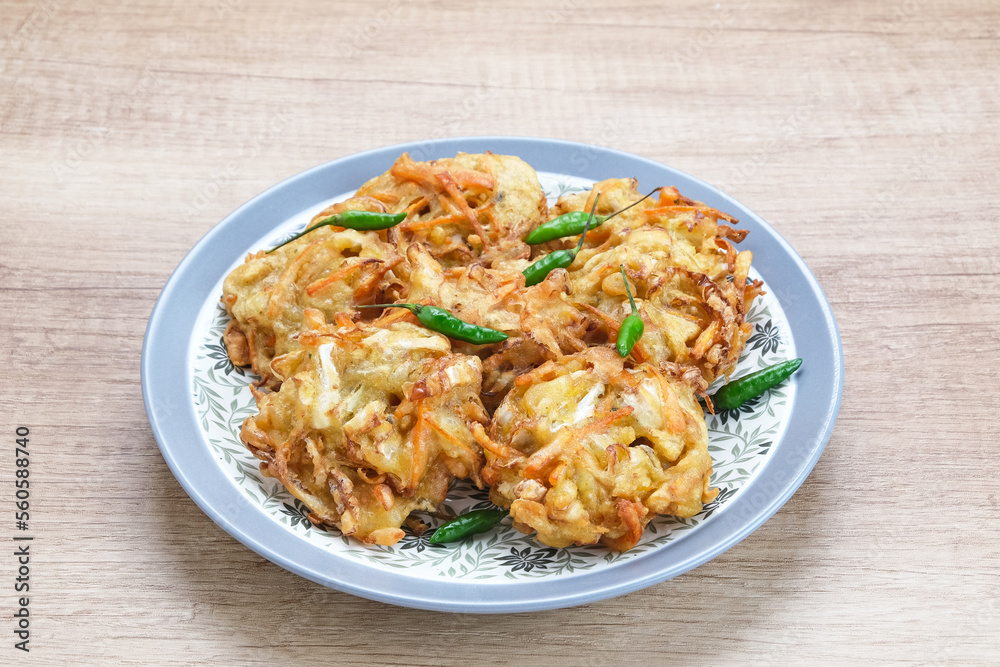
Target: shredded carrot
[[288, 277], [451, 438], [495, 448], [416, 204], [704, 340], [541, 459], [505, 290], [603, 422], [420, 172], [343, 320], [611, 323], [388, 317], [671, 406], [660, 210], [708, 211], [742, 270], [473, 180], [522, 380], [671, 194], [591, 198], [452, 189], [345, 269], [639, 352], [605, 406], [419, 454], [730, 253], [417, 225], [556, 472], [405, 169], [450, 207], [366, 287], [674, 196], [313, 318], [631, 381]]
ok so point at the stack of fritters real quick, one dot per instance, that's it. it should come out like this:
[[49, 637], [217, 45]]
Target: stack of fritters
[[367, 417]]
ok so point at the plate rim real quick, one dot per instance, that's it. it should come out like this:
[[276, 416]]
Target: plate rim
[[172, 423]]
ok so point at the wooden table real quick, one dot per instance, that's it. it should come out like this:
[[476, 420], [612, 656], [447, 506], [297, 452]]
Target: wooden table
[[865, 133]]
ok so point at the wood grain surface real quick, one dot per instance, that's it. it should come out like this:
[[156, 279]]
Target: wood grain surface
[[864, 132]]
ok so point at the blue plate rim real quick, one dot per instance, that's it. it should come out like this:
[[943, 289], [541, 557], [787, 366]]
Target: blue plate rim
[[170, 409]]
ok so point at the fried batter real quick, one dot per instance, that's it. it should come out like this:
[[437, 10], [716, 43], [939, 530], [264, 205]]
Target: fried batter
[[550, 326], [328, 270], [471, 209], [584, 450], [366, 420], [376, 422], [689, 282], [690, 235], [541, 320]]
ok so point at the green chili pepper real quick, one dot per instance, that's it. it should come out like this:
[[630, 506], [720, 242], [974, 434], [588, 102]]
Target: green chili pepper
[[738, 392], [632, 326], [573, 223], [567, 224], [560, 259], [361, 220], [442, 321], [471, 523]]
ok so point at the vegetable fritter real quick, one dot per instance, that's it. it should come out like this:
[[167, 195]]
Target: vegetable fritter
[[585, 450], [267, 295], [376, 421], [366, 418], [470, 209], [689, 282]]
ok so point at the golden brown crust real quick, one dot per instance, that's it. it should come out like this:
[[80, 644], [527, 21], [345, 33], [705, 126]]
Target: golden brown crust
[[590, 451], [688, 281], [372, 426], [470, 209], [367, 418], [328, 271]]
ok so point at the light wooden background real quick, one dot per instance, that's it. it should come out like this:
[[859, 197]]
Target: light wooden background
[[864, 132]]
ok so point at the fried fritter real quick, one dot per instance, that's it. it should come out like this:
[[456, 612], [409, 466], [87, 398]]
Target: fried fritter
[[693, 237], [688, 280], [541, 322], [584, 450], [327, 270], [550, 326], [375, 418], [470, 209], [477, 294], [690, 318], [376, 421], [467, 210]]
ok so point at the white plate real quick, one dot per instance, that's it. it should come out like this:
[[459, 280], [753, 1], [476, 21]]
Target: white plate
[[196, 401]]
